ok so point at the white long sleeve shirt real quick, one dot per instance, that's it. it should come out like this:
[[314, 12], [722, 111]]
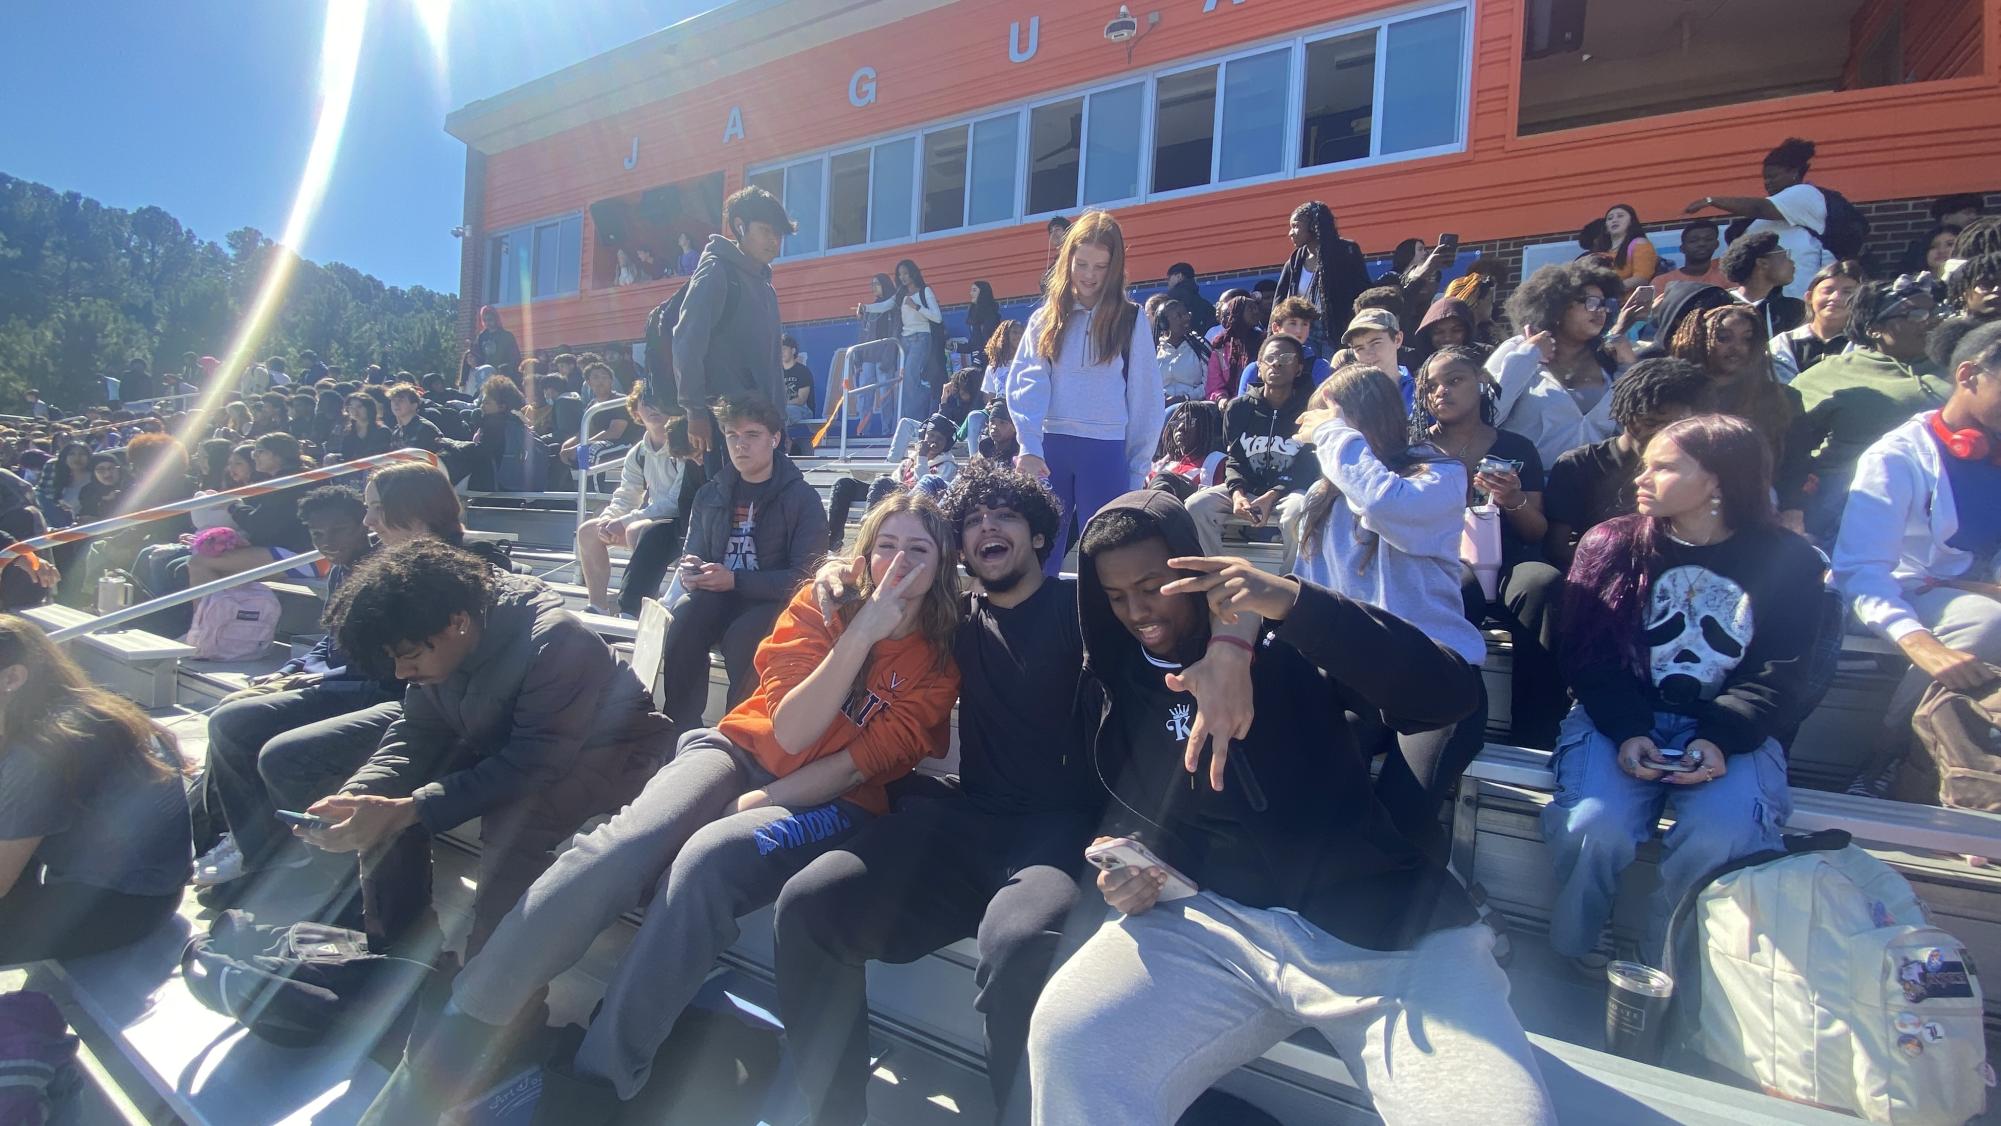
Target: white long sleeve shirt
[[913, 320], [1895, 529]]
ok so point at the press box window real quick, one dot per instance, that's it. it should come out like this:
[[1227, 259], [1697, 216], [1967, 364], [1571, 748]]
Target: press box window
[[535, 261]]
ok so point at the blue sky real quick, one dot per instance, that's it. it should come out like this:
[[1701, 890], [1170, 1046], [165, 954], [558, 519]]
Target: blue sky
[[206, 107]]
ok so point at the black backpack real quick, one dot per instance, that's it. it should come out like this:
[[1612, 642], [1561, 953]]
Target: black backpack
[[291, 984], [663, 392], [1847, 228]]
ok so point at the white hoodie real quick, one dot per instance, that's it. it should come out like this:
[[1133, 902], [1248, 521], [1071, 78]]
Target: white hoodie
[[1893, 533]]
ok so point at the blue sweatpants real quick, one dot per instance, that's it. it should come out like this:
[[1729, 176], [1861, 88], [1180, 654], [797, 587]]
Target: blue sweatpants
[[1087, 474]]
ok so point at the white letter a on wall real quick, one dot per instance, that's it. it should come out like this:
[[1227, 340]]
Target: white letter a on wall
[[733, 131]]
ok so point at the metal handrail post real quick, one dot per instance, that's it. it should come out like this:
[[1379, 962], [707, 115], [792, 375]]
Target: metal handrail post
[[583, 474], [119, 617], [847, 392]]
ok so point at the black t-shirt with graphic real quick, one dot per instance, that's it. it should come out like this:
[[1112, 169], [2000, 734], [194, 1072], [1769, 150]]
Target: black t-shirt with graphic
[[740, 551], [1727, 632], [796, 377]]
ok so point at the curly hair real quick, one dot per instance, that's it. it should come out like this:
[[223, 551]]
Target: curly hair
[[983, 484], [1759, 399], [1981, 270], [1544, 296], [405, 596], [1655, 384], [339, 500], [1741, 260]]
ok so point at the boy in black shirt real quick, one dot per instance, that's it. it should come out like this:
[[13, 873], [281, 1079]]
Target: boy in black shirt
[[1311, 909], [1263, 464], [1591, 484]]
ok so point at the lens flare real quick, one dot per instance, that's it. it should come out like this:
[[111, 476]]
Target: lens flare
[[340, 59]]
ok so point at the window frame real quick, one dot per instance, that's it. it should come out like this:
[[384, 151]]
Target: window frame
[[1293, 44], [528, 231]]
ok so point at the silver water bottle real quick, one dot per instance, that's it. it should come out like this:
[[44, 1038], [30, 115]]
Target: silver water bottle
[[114, 591]]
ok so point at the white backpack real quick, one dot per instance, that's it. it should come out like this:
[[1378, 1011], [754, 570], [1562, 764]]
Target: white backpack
[[1817, 976]]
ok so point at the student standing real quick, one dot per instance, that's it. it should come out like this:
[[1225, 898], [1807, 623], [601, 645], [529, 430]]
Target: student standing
[[1324, 268], [916, 309], [1084, 389], [726, 342], [1791, 208]]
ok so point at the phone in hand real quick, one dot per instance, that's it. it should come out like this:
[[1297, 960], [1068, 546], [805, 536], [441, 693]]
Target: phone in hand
[[1124, 852], [302, 820], [1492, 464], [1680, 764], [1448, 241]]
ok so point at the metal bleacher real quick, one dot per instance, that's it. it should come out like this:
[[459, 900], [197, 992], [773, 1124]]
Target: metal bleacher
[[170, 1059]]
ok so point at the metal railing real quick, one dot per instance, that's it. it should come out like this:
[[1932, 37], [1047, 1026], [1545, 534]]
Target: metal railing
[[840, 414], [29, 549], [585, 471]]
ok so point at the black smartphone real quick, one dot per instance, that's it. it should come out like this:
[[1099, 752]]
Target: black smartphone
[[302, 820], [1448, 241]]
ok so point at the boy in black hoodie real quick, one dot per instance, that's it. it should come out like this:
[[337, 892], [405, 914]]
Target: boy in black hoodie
[[1311, 909], [1262, 463], [754, 531]]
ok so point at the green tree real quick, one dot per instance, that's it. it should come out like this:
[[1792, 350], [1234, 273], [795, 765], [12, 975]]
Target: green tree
[[83, 287]]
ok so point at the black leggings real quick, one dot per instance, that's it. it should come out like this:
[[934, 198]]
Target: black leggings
[[1421, 768], [40, 921], [658, 547]]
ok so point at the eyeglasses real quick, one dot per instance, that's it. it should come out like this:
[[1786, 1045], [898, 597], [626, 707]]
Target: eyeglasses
[[1598, 304]]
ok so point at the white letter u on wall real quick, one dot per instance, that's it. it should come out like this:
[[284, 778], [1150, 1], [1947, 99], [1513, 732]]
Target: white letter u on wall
[[1016, 53]]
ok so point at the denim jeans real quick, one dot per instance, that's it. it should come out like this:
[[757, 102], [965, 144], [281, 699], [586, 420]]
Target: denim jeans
[[1601, 815]]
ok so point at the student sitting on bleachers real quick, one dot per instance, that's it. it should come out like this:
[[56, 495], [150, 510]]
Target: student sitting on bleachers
[[1266, 466], [1686, 631], [928, 468], [1309, 908], [647, 514], [755, 532], [94, 835], [1591, 484], [295, 735], [515, 714], [1922, 528], [794, 771]]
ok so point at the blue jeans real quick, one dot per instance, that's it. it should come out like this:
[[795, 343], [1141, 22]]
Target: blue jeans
[[920, 390], [1601, 815]]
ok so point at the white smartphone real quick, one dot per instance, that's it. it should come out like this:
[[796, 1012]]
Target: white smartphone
[[1124, 852]]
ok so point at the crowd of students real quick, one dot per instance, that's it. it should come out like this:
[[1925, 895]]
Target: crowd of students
[[1644, 475]]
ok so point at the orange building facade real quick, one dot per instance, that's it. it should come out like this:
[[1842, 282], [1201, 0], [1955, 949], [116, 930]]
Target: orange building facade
[[948, 131]]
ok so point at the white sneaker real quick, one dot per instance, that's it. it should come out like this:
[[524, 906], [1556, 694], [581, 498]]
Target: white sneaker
[[221, 864]]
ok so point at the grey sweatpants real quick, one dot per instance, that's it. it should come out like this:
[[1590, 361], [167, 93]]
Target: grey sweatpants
[[1962, 620], [696, 866], [1157, 1007]]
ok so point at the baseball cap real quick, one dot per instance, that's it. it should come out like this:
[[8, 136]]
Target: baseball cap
[[1379, 320]]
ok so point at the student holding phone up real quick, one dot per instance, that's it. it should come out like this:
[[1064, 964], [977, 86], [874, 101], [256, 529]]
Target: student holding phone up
[[1311, 908], [1687, 628]]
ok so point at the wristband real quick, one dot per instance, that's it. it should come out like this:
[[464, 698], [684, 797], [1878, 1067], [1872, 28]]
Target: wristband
[[1223, 639], [1517, 508]]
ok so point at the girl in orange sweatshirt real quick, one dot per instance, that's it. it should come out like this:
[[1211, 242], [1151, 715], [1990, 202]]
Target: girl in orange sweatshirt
[[790, 773]]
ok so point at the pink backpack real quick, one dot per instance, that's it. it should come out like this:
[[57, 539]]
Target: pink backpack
[[235, 624]]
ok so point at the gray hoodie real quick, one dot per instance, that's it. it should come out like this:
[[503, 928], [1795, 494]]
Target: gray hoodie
[[540, 707]]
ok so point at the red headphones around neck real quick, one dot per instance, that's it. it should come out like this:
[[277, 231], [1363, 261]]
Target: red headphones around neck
[[1970, 444]]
